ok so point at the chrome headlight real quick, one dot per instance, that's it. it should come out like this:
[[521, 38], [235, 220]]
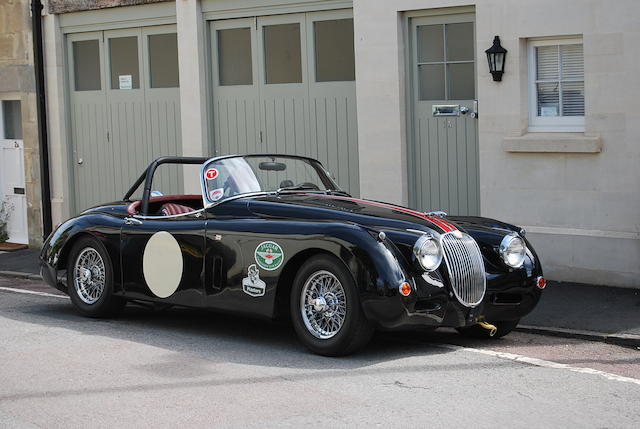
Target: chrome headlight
[[513, 250], [428, 252]]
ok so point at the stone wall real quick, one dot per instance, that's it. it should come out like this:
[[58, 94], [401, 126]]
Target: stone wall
[[65, 6], [17, 81]]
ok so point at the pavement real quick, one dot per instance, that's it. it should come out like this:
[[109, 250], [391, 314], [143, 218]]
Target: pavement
[[197, 369], [593, 312]]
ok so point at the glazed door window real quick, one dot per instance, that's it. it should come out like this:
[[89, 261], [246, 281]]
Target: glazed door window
[[86, 65], [123, 54], [163, 60], [282, 57], [333, 49], [445, 61], [234, 51]]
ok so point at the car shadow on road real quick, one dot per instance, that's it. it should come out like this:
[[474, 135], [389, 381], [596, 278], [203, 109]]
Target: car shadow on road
[[221, 337]]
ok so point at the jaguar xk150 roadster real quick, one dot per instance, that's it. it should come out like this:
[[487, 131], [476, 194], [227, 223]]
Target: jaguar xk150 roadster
[[273, 236]]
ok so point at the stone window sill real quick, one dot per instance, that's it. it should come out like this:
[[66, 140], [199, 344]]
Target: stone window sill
[[553, 143]]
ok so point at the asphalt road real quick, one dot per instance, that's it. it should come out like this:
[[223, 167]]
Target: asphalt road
[[193, 369]]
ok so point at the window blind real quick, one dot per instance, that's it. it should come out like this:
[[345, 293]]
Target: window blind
[[560, 80]]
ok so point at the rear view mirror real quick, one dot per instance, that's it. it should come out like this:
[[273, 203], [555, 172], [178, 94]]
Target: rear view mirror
[[272, 166]]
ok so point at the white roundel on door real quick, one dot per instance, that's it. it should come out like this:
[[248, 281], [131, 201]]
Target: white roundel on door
[[162, 264]]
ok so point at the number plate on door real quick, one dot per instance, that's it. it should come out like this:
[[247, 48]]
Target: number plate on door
[[446, 110]]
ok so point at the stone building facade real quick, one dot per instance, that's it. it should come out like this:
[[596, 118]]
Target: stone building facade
[[553, 147]]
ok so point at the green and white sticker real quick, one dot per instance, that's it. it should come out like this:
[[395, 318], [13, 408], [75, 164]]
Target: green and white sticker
[[269, 255]]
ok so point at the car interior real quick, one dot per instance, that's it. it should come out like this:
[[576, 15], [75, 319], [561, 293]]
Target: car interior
[[169, 205]]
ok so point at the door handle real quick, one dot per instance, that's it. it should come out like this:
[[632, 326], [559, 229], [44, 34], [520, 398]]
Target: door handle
[[464, 110], [132, 221]]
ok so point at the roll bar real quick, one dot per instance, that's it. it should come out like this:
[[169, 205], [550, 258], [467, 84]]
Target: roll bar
[[147, 177]]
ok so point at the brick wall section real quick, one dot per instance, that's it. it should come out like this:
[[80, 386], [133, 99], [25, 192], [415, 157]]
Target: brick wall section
[[17, 81], [66, 6]]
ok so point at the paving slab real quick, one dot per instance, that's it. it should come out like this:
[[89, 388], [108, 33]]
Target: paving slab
[[21, 261], [591, 308]]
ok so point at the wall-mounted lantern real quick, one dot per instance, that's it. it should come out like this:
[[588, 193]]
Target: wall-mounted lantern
[[496, 55]]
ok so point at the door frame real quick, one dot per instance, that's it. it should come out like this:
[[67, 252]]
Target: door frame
[[410, 83]]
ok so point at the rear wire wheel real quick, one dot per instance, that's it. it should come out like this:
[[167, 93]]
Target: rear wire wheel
[[325, 308], [90, 280]]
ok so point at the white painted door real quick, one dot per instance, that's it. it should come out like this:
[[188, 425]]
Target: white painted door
[[443, 154], [286, 84], [12, 189]]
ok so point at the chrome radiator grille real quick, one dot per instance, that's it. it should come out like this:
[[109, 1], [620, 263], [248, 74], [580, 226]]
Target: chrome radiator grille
[[466, 268]]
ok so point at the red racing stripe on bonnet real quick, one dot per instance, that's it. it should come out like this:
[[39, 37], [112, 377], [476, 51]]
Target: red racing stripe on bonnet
[[439, 222]]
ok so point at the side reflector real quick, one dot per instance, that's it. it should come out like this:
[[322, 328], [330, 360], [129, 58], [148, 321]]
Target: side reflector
[[541, 282], [405, 289]]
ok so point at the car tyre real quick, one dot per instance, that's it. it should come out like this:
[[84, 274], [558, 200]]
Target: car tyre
[[90, 280], [476, 331], [340, 326]]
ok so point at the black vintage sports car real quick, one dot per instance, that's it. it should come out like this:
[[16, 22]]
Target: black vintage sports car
[[273, 236]]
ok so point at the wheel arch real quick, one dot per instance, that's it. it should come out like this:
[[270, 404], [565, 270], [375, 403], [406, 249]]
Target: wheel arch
[[285, 282], [372, 263]]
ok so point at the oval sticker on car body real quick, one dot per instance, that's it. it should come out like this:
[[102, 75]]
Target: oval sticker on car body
[[269, 255]]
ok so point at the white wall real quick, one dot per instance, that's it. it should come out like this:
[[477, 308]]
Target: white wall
[[582, 209]]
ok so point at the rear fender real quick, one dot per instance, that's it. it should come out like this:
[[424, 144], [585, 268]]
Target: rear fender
[[104, 228]]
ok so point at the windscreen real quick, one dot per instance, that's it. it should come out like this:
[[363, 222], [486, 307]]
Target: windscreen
[[239, 175]]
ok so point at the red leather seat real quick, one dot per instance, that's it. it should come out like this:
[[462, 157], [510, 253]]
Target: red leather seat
[[134, 206], [170, 209]]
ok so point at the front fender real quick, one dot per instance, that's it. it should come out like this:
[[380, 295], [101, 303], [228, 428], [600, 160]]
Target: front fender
[[375, 263]]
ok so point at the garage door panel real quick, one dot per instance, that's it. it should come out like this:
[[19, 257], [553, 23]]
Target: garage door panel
[[303, 110], [128, 121]]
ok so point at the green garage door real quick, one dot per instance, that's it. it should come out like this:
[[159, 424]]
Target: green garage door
[[286, 84], [125, 110]]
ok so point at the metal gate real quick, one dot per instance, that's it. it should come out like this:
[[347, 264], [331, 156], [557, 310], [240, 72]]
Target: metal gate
[[443, 152], [125, 110], [286, 84]]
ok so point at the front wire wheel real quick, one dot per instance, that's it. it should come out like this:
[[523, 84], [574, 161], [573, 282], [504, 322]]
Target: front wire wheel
[[325, 308]]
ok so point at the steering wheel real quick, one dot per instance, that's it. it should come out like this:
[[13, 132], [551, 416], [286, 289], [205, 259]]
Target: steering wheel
[[230, 186]]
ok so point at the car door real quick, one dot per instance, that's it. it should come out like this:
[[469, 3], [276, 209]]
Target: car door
[[163, 258]]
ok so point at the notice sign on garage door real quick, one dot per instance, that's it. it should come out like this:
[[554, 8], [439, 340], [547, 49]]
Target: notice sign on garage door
[[125, 81]]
